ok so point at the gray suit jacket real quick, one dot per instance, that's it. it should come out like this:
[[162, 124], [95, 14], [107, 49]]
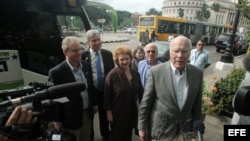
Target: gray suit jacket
[[159, 112]]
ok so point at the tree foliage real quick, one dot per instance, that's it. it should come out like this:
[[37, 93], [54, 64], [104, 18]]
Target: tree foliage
[[244, 7], [95, 13], [124, 18], [215, 7], [153, 11], [181, 12], [203, 14]]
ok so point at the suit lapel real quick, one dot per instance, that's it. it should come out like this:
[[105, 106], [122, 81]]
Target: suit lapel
[[68, 71], [170, 87], [190, 87]]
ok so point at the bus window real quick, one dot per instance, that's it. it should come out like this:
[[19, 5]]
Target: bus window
[[36, 28], [162, 26], [70, 25], [192, 28], [147, 21], [220, 30], [182, 28], [204, 32]]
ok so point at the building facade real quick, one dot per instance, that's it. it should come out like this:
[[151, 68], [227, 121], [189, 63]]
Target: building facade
[[225, 15]]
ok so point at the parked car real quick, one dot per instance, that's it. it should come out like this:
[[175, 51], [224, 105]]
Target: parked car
[[163, 50], [240, 43], [84, 46], [130, 30], [99, 29]]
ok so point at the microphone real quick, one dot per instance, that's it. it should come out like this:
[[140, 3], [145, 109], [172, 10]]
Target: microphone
[[246, 62], [54, 92], [199, 127]]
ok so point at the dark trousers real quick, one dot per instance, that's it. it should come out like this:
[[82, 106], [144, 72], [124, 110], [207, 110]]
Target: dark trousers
[[121, 130], [103, 122]]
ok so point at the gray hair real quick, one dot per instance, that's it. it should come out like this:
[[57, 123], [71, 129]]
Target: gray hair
[[151, 45], [182, 38], [92, 32], [66, 40]]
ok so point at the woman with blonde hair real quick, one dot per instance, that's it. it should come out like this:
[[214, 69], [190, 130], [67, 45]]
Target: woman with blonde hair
[[122, 92]]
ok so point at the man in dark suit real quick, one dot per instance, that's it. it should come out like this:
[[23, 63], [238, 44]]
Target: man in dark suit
[[78, 113], [172, 98], [106, 64]]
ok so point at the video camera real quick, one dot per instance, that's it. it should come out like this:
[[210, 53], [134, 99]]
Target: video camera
[[45, 101]]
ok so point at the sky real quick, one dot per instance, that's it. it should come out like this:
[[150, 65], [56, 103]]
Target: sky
[[141, 6]]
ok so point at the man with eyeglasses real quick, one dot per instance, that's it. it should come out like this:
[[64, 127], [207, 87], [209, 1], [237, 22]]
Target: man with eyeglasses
[[78, 113], [199, 57], [151, 53]]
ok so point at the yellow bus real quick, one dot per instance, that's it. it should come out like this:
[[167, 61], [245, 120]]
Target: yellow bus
[[164, 26]]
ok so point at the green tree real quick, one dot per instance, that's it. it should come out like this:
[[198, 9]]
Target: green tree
[[181, 12], [96, 13], [153, 11], [124, 18], [244, 7], [215, 7], [248, 32], [204, 13]]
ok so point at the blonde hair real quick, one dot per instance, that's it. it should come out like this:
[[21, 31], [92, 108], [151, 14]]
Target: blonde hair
[[121, 49]]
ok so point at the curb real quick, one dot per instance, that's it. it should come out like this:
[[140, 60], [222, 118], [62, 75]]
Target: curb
[[114, 41]]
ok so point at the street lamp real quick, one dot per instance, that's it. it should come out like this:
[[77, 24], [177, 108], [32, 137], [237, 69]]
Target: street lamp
[[227, 57]]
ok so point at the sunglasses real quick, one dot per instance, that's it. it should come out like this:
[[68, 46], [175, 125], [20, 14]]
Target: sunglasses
[[152, 51], [200, 45]]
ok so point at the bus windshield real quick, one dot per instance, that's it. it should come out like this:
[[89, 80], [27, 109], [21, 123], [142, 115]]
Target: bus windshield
[[36, 28], [147, 21]]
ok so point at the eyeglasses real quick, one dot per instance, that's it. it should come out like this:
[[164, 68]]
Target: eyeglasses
[[200, 45], [152, 51], [75, 50]]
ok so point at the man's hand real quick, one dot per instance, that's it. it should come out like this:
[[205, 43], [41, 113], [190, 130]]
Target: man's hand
[[110, 116], [143, 135], [19, 116]]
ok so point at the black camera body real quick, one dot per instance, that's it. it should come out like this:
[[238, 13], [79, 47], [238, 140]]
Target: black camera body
[[47, 105]]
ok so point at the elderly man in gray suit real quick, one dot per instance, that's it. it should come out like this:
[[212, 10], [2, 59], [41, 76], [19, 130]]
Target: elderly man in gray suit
[[172, 99]]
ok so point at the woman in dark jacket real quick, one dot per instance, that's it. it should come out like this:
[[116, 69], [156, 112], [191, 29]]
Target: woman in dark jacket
[[122, 92]]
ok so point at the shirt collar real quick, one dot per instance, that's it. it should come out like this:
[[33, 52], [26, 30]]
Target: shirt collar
[[93, 52], [71, 67], [175, 70]]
